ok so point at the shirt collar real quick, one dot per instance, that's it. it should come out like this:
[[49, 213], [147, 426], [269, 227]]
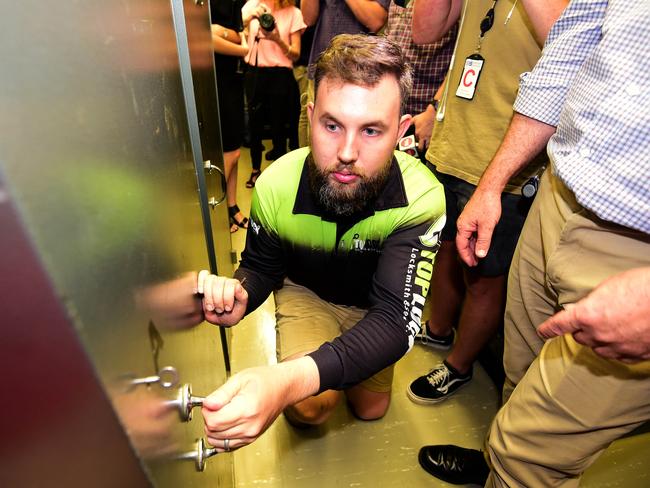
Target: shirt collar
[[393, 194]]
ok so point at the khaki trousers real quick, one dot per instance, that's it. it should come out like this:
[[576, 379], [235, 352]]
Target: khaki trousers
[[304, 321], [563, 404]]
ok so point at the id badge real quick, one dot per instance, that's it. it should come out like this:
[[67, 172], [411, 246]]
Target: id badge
[[469, 79]]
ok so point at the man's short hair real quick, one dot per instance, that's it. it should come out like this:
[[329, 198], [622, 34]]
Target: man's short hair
[[364, 60]]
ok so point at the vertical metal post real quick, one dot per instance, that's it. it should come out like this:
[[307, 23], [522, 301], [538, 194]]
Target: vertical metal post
[[178, 14]]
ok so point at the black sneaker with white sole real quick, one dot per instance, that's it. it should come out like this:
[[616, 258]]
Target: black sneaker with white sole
[[426, 338], [437, 385]]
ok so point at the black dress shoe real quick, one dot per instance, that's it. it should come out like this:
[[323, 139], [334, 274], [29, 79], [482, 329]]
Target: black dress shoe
[[454, 464]]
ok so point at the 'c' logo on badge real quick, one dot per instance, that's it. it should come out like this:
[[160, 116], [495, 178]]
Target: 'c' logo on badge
[[465, 82]]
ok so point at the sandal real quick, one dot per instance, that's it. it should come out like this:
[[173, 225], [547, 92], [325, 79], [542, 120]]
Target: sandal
[[254, 175], [234, 223]]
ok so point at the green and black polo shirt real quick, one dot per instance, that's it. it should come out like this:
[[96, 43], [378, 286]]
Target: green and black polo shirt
[[381, 259]]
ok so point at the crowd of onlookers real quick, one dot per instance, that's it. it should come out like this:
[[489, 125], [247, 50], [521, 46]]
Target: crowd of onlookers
[[535, 118]]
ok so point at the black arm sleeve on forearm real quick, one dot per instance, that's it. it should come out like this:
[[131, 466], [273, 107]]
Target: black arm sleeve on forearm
[[263, 266], [257, 285], [386, 332]]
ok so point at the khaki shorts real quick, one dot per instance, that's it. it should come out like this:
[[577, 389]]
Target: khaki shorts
[[304, 322]]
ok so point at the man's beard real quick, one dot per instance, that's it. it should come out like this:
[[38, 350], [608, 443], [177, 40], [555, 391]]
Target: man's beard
[[344, 200]]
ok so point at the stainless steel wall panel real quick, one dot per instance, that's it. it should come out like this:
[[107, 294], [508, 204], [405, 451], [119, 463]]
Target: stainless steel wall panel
[[97, 161]]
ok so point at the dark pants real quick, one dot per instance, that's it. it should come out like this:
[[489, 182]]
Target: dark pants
[[268, 91]]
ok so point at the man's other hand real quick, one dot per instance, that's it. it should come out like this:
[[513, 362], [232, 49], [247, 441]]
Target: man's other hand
[[614, 319], [224, 299], [243, 408], [476, 224], [424, 127]]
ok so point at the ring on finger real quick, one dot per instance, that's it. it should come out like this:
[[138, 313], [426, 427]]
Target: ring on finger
[[226, 445]]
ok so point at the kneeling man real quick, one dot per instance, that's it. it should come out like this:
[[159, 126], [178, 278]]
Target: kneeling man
[[345, 233]]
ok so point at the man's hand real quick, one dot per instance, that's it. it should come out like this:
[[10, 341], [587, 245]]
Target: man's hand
[[525, 138], [224, 299], [476, 225], [614, 319], [243, 408], [424, 127]]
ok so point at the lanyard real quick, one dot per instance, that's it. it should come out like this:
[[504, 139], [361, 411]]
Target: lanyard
[[488, 22], [486, 25], [442, 108]]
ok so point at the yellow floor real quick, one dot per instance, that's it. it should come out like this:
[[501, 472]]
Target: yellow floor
[[352, 453]]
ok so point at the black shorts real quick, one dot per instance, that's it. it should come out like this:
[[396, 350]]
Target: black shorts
[[230, 89], [514, 209]]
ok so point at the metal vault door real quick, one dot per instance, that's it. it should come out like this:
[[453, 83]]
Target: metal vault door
[[98, 199]]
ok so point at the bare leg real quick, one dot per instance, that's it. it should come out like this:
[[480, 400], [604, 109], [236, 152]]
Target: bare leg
[[366, 404], [314, 410], [230, 160], [481, 316], [447, 290], [482, 300]]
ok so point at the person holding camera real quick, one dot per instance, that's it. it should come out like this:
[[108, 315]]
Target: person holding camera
[[274, 30]]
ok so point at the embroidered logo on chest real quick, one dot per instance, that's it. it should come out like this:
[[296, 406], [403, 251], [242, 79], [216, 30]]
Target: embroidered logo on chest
[[365, 245]]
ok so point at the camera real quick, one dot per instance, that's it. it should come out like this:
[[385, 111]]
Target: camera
[[267, 21]]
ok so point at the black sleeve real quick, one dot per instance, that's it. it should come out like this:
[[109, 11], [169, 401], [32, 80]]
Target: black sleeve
[[262, 264], [387, 332]]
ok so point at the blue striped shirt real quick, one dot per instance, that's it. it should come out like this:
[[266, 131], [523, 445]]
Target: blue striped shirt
[[593, 83]]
